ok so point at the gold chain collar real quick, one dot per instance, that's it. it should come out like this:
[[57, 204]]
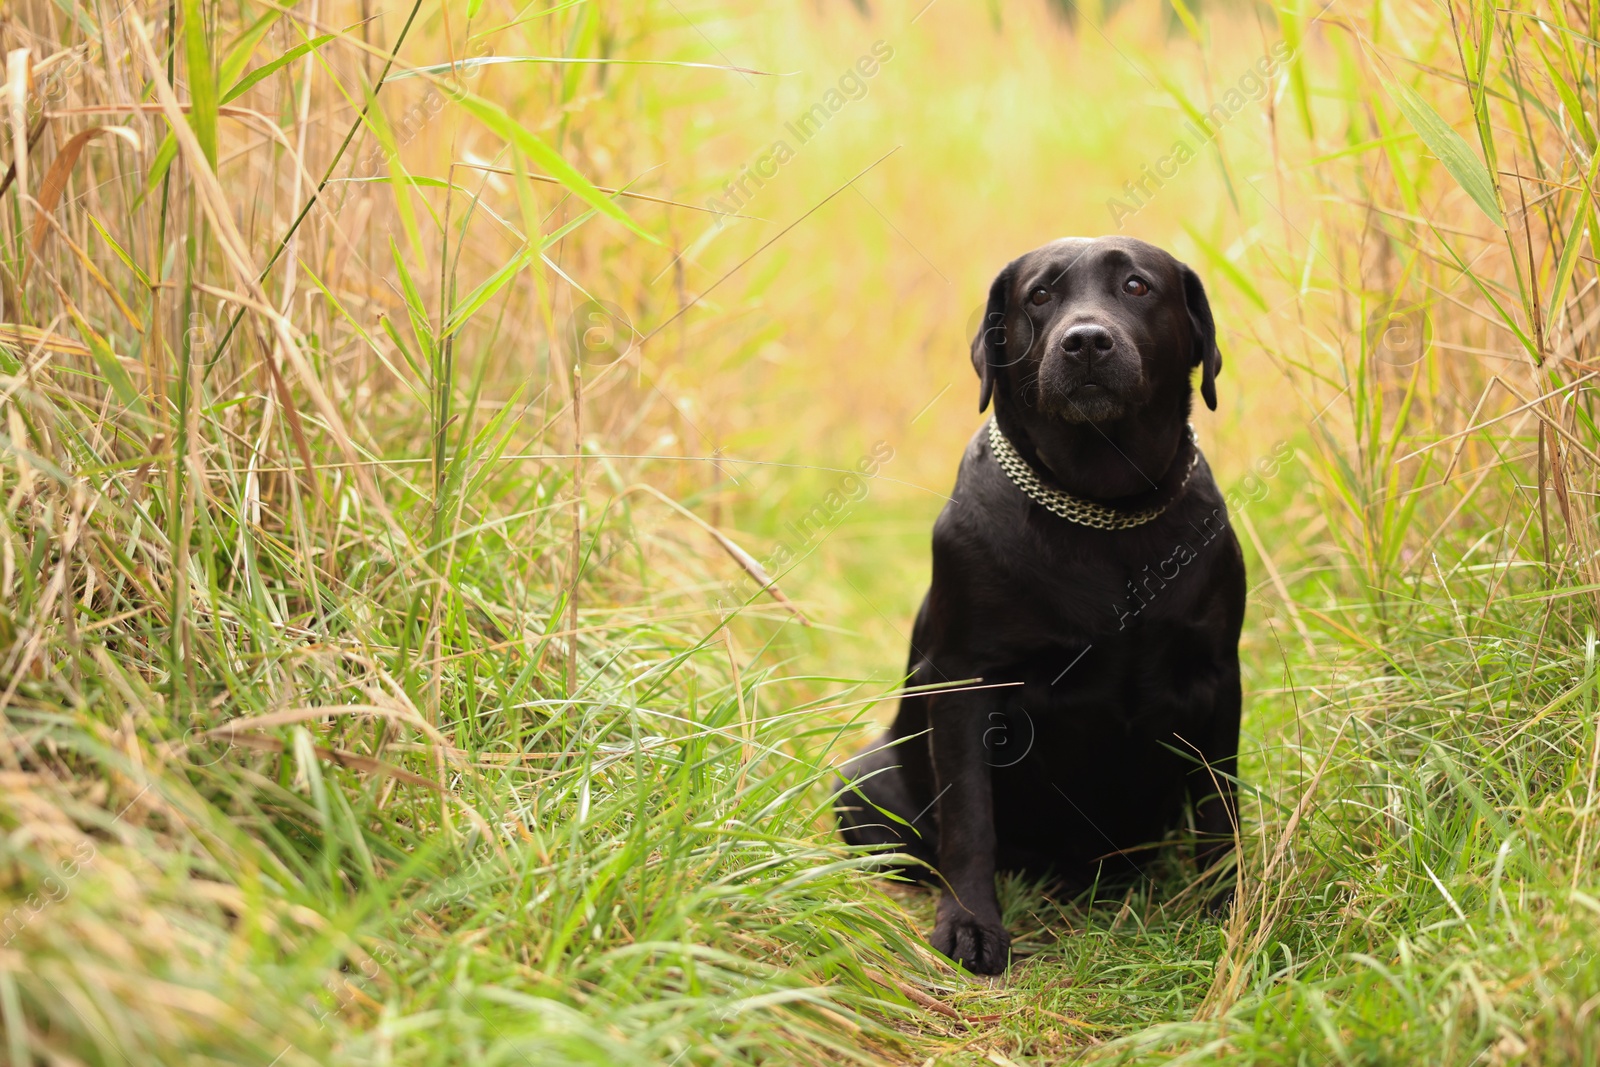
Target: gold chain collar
[[1069, 507]]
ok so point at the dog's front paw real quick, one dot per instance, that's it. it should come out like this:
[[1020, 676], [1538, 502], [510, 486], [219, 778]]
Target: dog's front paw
[[981, 947]]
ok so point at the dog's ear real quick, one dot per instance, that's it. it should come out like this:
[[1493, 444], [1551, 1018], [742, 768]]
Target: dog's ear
[[1205, 335], [988, 344]]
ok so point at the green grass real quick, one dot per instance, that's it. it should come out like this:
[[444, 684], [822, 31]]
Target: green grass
[[369, 695]]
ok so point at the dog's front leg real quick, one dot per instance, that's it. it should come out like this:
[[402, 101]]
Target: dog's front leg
[[968, 928], [1217, 813]]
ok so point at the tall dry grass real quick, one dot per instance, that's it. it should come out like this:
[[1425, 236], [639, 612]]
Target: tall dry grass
[[351, 712]]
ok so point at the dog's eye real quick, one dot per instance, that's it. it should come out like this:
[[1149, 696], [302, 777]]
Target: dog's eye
[[1136, 285], [1040, 295]]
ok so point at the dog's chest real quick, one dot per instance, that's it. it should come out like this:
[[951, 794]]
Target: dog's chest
[[1100, 585], [1150, 670], [1114, 633], [1092, 621]]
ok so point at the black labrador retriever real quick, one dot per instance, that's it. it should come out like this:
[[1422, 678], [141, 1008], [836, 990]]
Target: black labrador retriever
[[1085, 571]]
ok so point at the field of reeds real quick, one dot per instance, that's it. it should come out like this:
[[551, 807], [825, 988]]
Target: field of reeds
[[402, 409]]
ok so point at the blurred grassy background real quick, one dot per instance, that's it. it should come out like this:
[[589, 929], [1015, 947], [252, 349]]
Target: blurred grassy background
[[378, 679]]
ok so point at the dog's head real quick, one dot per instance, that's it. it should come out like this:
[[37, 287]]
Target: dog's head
[[1096, 331]]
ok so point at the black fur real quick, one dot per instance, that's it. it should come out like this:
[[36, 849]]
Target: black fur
[[1121, 645]]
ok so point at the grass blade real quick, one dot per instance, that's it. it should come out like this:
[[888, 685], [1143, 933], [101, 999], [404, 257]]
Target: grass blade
[[514, 133], [202, 79], [473, 62], [1450, 148], [266, 70]]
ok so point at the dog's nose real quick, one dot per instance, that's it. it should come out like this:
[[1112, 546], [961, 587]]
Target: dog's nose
[[1086, 338]]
